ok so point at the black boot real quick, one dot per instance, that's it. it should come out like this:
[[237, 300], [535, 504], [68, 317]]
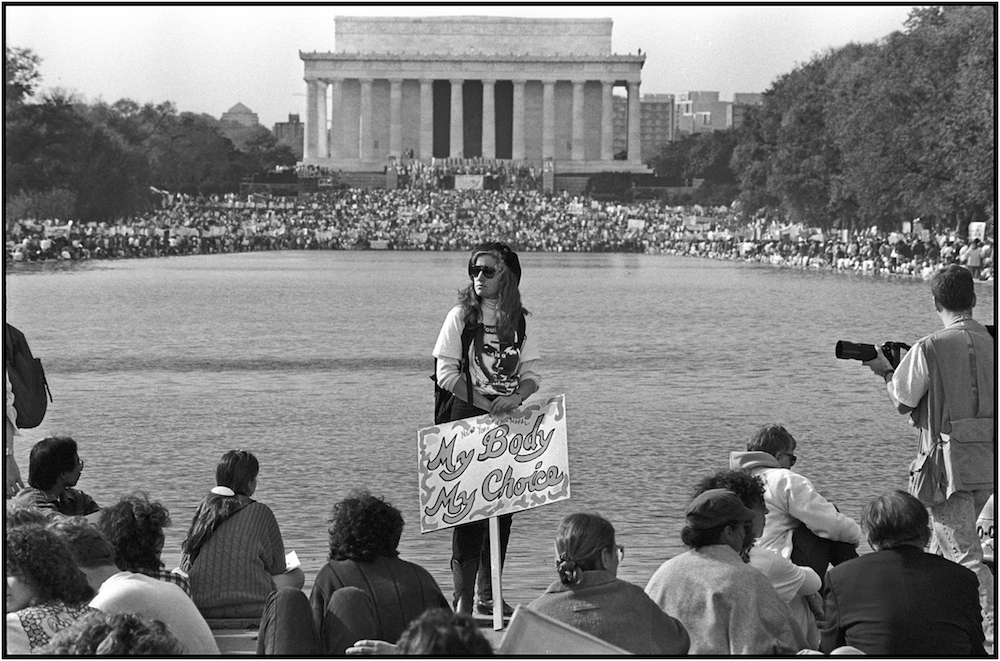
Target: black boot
[[464, 576]]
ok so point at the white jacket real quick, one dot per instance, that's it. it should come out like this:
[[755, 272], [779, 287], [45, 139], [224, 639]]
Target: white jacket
[[791, 499]]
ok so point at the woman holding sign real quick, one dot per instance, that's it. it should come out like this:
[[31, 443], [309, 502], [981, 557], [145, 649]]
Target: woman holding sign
[[485, 357]]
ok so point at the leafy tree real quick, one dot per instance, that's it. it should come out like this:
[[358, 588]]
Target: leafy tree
[[21, 75]]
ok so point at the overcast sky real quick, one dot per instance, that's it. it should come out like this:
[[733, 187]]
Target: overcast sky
[[207, 58]]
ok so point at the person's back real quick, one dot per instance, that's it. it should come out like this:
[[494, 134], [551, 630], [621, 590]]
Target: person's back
[[234, 567], [726, 606], [615, 611], [399, 591], [151, 599], [901, 601]]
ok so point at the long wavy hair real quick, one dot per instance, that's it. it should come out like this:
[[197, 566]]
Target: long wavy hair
[[41, 558], [508, 299], [580, 540], [236, 470]]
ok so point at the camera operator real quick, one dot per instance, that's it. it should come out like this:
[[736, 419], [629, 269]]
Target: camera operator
[[947, 385]]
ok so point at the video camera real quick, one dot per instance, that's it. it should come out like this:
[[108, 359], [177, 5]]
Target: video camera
[[864, 352]]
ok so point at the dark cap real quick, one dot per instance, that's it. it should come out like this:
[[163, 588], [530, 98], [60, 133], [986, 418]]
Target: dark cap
[[716, 507], [508, 256]]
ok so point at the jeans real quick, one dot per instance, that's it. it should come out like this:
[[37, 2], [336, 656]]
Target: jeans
[[954, 536]]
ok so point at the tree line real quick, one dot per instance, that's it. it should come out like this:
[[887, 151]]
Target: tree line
[[860, 136], [67, 159], [867, 134]]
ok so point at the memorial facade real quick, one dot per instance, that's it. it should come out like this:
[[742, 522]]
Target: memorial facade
[[528, 90]]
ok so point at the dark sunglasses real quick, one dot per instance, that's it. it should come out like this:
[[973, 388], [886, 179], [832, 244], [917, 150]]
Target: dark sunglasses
[[488, 271], [791, 458]]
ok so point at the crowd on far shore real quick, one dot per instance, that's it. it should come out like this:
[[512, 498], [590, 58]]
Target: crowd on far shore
[[434, 219]]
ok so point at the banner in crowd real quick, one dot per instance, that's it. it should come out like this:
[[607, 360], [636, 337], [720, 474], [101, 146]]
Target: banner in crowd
[[473, 469], [636, 224], [977, 231], [469, 182]]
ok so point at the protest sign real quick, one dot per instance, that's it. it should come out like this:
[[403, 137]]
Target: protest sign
[[477, 468]]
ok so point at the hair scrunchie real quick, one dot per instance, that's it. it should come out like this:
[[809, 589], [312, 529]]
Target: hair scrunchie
[[223, 491], [569, 571]]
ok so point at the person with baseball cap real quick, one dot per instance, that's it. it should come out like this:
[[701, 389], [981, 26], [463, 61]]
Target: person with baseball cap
[[727, 606]]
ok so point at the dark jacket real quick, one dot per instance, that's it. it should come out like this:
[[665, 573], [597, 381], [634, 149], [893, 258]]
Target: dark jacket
[[399, 591], [903, 602]]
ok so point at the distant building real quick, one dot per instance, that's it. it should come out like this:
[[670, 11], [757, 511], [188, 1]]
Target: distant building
[[240, 114], [700, 112], [656, 112], [741, 102], [291, 133]]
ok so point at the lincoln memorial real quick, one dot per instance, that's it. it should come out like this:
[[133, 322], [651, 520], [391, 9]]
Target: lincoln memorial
[[470, 87]]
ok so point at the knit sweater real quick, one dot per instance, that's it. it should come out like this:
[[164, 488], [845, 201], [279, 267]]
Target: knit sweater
[[235, 565], [615, 611], [400, 591], [727, 607]]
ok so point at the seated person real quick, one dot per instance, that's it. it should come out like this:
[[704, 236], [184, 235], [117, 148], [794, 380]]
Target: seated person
[[54, 468], [589, 596], [793, 583], [365, 591], [801, 524], [901, 601], [45, 591], [233, 554], [364, 535], [111, 634], [726, 606], [134, 526], [127, 592], [438, 632]]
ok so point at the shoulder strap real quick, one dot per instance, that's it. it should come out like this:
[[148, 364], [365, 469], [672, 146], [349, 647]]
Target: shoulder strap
[[521, 326], [470, 331]]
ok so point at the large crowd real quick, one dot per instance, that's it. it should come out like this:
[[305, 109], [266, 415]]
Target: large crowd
[[427, 218]]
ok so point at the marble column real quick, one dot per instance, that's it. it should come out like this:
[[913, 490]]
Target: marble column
[[323, 137], [367, 138], [426, 118], [634, 132], [337, 118], [517, 127], [489, 121], [396, 117], [312, 133], [578, 153], [607, 121], [457, 145], [549, 119]]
